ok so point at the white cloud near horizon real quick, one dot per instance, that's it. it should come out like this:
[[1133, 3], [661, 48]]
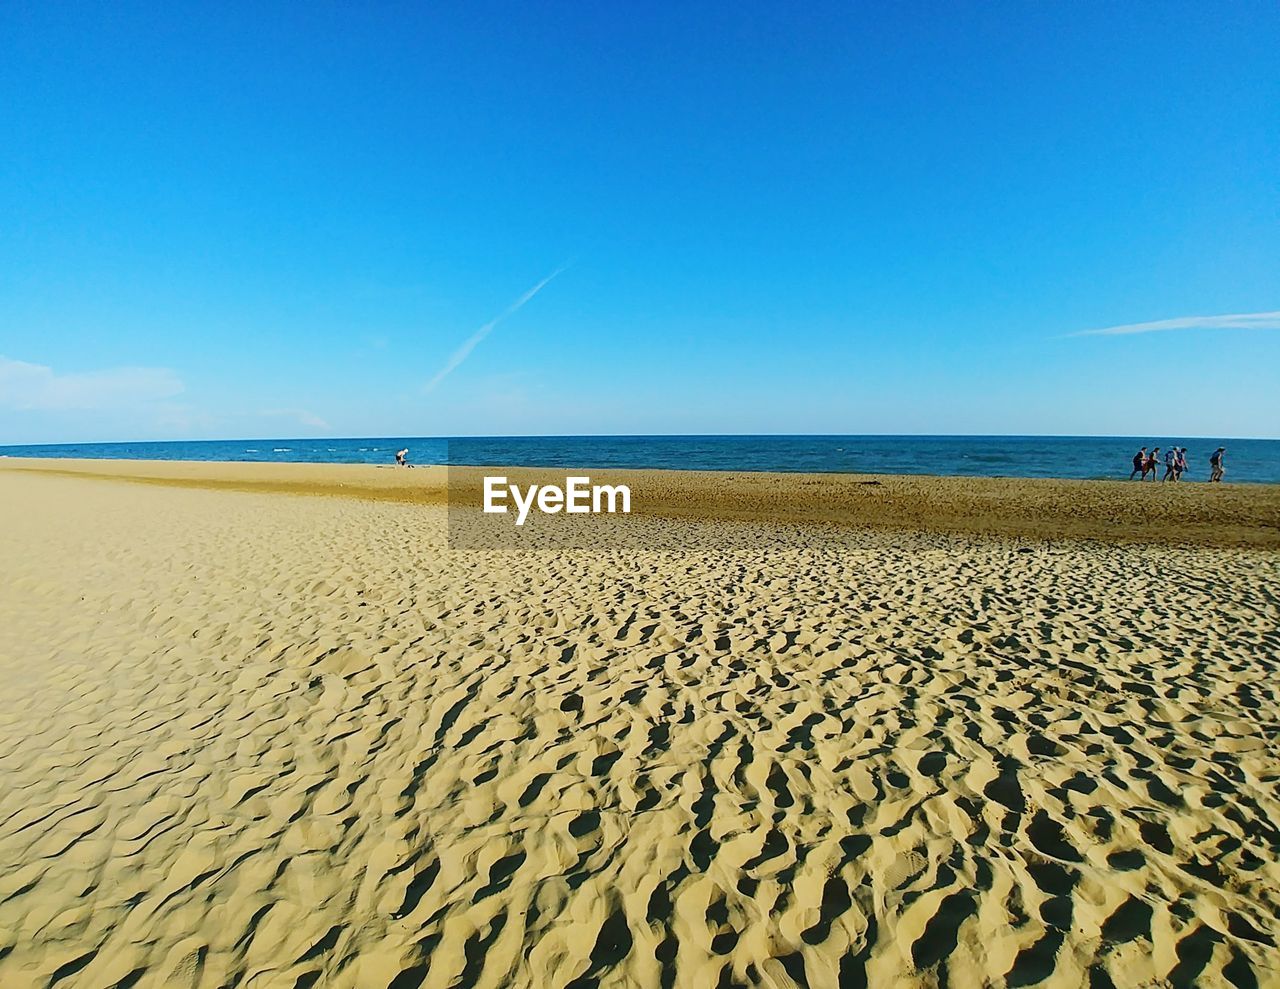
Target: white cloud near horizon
[[303, 417], [1237, 321], [463, 352], [25, 387]]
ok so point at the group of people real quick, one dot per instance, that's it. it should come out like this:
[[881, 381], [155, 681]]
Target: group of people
[[1175, 463]]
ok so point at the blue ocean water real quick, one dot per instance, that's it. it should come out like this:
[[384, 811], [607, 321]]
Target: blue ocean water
[[1255, 461]]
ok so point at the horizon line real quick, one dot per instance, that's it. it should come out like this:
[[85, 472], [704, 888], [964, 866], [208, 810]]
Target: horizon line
[[561, 436]]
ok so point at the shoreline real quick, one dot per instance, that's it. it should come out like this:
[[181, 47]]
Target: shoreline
[[1192, 513]]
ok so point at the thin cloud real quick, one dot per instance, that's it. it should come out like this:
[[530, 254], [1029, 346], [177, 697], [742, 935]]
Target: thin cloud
[[303, 417], [1239, 321], [463, 352], [25, 386]]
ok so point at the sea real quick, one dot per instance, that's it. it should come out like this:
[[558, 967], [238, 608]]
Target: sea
[[1247, 460]]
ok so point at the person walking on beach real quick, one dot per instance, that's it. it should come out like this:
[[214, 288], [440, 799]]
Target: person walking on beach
[[1139, 462], [1151, 462], [1170, 461], [1180, 463], [1216, 468]]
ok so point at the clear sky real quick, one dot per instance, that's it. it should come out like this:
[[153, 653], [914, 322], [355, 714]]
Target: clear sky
[[224, 220]]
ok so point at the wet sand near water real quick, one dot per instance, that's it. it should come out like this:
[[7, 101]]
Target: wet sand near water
[[1190, 513]]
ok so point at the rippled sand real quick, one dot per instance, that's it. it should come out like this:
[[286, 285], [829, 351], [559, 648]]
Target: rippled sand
[[253, 738]]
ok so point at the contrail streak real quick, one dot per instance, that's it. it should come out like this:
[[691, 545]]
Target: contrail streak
[[463, 352], [1238, 321]]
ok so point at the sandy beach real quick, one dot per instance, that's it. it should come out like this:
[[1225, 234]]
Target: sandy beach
[[264, 728], [1117, 511]]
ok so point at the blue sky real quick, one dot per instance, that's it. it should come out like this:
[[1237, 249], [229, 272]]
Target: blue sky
[[238, 221]]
